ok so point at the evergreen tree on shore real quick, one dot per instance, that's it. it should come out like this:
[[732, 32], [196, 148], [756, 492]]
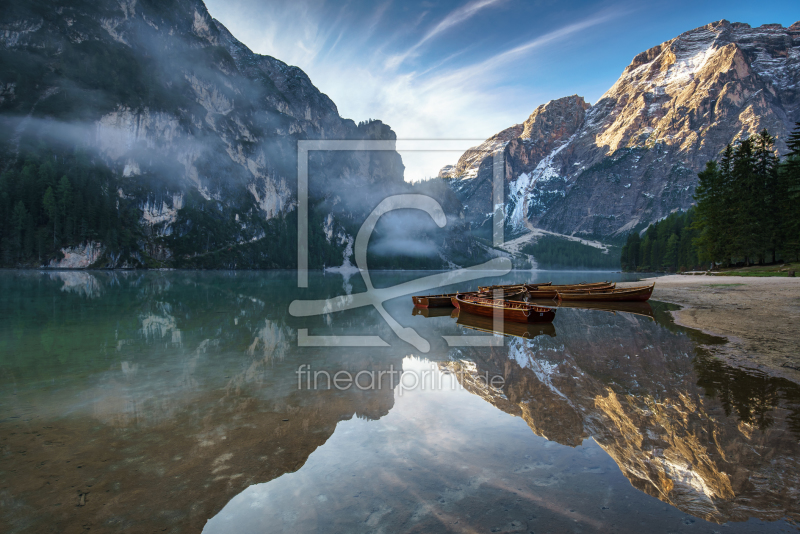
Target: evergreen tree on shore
[[744, 204], [748, 210], [789, 204], [666, 246]]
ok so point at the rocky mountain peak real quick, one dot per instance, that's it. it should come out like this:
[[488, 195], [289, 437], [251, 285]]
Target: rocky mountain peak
[[196, 131], [553, 119], [470, 161], [633, 157]]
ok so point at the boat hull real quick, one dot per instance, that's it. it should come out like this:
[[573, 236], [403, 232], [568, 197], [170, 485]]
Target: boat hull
[[447, 300], [636, 294], [433, 301], [518, 312], [550, 287]]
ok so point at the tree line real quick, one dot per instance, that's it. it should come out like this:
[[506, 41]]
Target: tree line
[[49, 201], [667, 245], [747, 212], [551, 252]]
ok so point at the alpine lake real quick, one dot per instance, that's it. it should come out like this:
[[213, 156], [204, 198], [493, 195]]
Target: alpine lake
[[182, 401]]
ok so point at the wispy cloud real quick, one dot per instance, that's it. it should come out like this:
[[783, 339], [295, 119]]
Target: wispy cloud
[[480, 70], [454, 18], [462, 93]]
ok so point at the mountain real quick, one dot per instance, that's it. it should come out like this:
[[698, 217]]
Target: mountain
[[178, 144], [632, 158]]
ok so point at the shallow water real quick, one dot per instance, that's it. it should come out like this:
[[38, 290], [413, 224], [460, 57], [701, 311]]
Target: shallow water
[[172, 400]]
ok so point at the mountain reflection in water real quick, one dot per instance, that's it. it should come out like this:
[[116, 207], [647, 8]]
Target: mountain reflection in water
[[714, 441], [162, 400]]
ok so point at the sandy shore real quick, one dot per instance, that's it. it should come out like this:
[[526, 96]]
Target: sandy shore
[[760, 317]]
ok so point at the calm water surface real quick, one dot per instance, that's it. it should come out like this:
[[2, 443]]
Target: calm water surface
[[171, 401]]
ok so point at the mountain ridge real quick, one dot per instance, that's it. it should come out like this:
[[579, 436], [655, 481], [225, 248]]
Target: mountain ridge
[[199, 135], [632, 157]]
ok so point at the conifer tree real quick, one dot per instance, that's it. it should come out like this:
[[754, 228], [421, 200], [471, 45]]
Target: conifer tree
[[745, 192], [51, 209], [789, 202], [711, 209], [766, 198]]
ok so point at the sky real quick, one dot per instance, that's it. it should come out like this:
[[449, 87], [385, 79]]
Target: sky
[[465, 70]]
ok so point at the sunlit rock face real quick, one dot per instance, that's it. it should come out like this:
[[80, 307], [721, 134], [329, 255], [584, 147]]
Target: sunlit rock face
[[679, 424], [633, 156], [193, 124]]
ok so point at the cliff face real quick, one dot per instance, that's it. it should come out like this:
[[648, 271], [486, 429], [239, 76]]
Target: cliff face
[[633, 156], [200, 132], [712, 441]]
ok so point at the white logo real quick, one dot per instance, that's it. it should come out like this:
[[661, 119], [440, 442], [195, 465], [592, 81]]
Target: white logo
[[377, 296]]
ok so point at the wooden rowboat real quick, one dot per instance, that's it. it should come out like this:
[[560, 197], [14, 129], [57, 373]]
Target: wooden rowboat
[[486, 324], [446, 300], [434, 301], [511, 294], [520, 296], [549, 287], [639, 293], [512, 286], [583, 285], [552, 291], [518, 312]]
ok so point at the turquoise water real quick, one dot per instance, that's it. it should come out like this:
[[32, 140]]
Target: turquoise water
[[183, 401]]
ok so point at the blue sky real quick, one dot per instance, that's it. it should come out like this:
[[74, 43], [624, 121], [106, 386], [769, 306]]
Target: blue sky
[[467, 69]]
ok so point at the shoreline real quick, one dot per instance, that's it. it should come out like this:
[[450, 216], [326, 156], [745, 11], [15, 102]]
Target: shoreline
[[759, 317]]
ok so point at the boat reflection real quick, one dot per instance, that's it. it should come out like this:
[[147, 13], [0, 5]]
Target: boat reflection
[[507, 328], [636, 308]]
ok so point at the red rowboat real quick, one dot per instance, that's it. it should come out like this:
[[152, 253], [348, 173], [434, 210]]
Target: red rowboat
[[640, 293], [446, 300], [433, 301], [518, 312]]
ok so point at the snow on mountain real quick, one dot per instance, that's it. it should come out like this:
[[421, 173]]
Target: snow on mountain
[[633, 157]]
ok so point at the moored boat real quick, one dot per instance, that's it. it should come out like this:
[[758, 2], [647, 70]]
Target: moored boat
[[518, 312], [584, 285], [433, 301], [549, 288], [551, 292], [639, 293], [513, 294], [512, 286], [446, 300]]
